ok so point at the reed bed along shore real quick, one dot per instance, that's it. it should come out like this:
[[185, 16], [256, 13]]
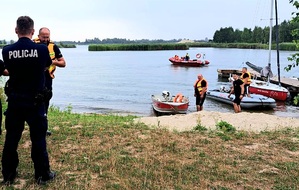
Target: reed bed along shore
[[177, 46], [91, 151], [186, 46], [136, 47]]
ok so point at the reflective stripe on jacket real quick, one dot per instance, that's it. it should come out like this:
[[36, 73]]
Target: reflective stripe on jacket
[[50, 46]]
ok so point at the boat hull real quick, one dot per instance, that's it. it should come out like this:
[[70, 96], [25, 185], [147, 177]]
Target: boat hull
[[253, 102], [268, 89], [190, 63], [168, 106]]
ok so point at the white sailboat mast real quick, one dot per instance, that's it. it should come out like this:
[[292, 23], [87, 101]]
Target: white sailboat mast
[[270, 34], [270, 38]]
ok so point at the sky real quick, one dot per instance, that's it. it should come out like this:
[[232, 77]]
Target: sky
[[78, 20]]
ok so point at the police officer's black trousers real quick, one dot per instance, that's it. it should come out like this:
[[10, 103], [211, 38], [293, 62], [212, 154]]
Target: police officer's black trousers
[[16, 116], [47, 100]]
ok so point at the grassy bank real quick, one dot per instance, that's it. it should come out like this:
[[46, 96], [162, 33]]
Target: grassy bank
[[112, 152]]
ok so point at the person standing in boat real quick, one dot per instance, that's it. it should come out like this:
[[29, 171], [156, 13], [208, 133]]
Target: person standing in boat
[[246, 78], [187, 57], [200, 91], [238, 90]]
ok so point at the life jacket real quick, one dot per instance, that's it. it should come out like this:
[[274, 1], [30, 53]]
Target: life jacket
[[178, 98], [249, 77], [198, 85], [50, 46]]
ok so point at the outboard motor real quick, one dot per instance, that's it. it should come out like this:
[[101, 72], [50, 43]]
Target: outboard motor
[[166, 95]]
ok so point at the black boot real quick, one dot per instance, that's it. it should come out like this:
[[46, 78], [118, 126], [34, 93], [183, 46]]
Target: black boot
[[42, 180], [49, 133], [10, 179]]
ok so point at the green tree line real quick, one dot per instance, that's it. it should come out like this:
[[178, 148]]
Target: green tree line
[[256, 35]]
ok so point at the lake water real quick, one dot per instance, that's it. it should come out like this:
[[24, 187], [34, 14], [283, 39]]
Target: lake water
[[123, 81]]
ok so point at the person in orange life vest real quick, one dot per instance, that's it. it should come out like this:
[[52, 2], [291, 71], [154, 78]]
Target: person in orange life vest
[[238, 90], [200, 91], [246, 78], [57, 60]]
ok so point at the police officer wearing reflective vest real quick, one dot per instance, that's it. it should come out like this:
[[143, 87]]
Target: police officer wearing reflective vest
[[26, 62], [200, 91], [57, 60], [246, 78]]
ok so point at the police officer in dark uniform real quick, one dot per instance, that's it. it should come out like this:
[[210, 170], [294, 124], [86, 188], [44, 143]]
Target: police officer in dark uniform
[[26, 62]]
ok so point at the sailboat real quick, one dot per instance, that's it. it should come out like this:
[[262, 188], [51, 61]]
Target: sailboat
[[266, 88]]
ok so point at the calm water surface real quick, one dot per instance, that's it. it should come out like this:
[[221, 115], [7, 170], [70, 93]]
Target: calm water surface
[[123, 81]]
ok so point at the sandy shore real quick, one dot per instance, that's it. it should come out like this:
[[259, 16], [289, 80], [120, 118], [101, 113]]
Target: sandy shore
[[255, 122]]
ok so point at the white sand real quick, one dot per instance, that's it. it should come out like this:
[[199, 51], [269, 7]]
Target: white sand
[[255, 122]]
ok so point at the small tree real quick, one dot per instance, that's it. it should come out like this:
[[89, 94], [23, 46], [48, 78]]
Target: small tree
[[295, 33]]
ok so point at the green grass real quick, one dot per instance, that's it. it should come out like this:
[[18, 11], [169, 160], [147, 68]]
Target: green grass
[[91, 151]]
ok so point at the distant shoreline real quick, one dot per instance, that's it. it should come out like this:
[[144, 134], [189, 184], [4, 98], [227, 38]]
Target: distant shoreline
[[175, 46], [186, 46]]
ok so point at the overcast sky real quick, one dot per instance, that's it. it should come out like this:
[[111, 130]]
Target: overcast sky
[[78, 20]]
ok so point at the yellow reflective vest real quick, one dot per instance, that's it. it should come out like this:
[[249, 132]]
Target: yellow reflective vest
[[249, 77], [199, 87], [52, 67]]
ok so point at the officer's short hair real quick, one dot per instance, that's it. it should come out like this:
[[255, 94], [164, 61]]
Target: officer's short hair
[[25, 25]]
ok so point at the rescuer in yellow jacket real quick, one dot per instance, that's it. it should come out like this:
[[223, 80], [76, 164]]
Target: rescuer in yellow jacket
[[57, 61], [246, 78], [200, 91]]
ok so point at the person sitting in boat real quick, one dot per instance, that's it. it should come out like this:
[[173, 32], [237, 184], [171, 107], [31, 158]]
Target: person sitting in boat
[[246, 78], [238, 90], [187, 57], [200, 91], [176, 57]]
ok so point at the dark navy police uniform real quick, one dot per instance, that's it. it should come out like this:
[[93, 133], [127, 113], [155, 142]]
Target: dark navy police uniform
[[26, 63]]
